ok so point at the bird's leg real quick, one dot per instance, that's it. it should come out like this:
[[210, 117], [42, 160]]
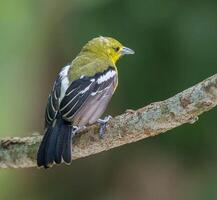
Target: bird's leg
[[103, 123]]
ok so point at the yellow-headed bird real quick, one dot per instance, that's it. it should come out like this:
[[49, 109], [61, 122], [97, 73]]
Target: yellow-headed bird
[[79, 97]]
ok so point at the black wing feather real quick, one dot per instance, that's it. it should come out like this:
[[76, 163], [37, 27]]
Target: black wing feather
[[53, 102], [73, 93]]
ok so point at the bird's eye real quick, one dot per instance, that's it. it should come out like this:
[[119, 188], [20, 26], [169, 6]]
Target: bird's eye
[[116, 49]]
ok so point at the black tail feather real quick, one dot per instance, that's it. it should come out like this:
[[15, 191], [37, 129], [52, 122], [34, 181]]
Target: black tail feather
[[59, 148], [67, 146], [42, 148], [51, 143], [63, 145], [56, 144]]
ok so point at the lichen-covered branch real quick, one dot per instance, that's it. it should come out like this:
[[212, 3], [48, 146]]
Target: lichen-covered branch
[[131, 126]]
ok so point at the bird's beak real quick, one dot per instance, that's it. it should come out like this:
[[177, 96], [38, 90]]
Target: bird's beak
[[126, 51]]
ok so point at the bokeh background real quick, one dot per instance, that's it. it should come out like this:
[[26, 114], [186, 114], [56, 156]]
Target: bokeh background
[[176, 46]]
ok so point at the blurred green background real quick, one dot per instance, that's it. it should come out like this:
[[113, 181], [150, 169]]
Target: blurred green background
[[176, 46]]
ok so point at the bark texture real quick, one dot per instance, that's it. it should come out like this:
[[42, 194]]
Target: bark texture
[[131, 126]]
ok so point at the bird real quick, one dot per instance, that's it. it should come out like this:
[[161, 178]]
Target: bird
[[79, 97]]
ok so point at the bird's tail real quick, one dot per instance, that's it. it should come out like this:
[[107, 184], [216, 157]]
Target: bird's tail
[[56, 144]]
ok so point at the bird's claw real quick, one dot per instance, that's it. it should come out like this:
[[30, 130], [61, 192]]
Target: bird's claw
[[103, 123], [78, 129]]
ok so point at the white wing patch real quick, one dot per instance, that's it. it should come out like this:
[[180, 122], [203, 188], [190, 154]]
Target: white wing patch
[[105, 77], [65, 81]]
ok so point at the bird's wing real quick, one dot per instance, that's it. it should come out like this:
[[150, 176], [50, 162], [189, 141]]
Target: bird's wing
[[80, 90], [53, 102], [56, 94]]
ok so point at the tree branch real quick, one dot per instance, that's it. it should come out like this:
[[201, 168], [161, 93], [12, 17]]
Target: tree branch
[[131, 126]]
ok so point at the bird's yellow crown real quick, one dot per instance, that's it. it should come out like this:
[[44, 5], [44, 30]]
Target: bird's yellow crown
[[106, 47]]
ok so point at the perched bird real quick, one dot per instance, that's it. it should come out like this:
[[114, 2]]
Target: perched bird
[[79, 97]]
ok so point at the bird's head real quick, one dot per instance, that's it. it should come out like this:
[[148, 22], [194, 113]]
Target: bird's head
[[107, 47]]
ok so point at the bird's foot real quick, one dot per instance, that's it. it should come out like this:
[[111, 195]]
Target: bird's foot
[[77, 129], [103, 123]]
